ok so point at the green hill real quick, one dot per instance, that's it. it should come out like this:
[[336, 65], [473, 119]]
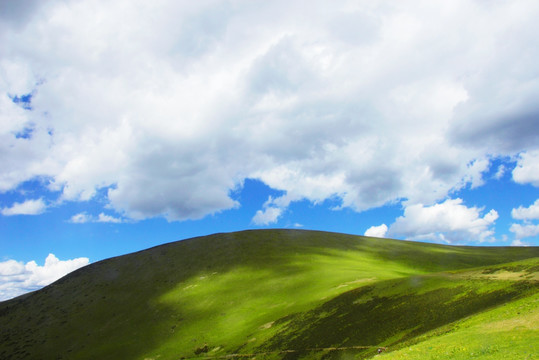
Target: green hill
[[285, 294]]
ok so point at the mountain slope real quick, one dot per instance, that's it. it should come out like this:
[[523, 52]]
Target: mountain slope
[[509, 331], [261, 291]]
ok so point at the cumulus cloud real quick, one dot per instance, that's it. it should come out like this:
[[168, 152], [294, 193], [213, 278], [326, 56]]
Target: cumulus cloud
[[273, 209], [529, 213], [28, 207], [527, 169], [377, 231], [173, 107], [17, 278], [267, 216], [527, 228], [524, 231], [450, 222]]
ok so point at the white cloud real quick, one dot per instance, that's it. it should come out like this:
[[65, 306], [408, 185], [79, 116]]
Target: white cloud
[[377, 231], [369, 103], [500, 172], [476, 170], [527, 169], [273, 209], [17, 278], [524, 231], [83, 217], [529, 213], [28, 207], [268, 216], [108, 219], [80, 218], [450, 221], [518, 242], [527, 228]]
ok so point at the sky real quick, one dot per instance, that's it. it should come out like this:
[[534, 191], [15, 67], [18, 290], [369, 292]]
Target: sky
[[127, 124]]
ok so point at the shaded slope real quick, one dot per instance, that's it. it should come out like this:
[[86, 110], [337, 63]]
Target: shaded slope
[[392, 312], [223, 290], [508, 331]]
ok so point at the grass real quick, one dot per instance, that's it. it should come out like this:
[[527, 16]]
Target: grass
[[271, 290], [392, 312], [509, 331]]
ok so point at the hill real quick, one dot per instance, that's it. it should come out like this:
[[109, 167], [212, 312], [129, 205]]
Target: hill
[[284, 294]]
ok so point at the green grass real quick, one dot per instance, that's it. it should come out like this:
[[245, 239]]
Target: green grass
[[266, 291], [509, 331]]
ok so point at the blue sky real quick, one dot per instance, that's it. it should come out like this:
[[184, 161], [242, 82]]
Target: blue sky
[[412, 120]]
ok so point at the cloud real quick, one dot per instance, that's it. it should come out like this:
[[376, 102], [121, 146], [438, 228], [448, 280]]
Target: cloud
[[28, 207], [273, 209], [524, 231], [172, 108], [108, 219], [377, 231], [18, 12], [527, 169], [80, 218], [529, 213], [500, 172], [83, 217], [17, 278], [268, 216], [518, 242], [475, 173], [527, 228], [450, 222]]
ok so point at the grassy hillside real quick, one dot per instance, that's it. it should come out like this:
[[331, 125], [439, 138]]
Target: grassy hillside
[[509, 331], [280, 294]]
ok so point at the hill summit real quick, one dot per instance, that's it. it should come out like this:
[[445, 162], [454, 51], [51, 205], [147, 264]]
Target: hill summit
[[285, 294]]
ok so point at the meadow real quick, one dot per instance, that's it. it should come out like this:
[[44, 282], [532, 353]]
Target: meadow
[[285, 294]]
